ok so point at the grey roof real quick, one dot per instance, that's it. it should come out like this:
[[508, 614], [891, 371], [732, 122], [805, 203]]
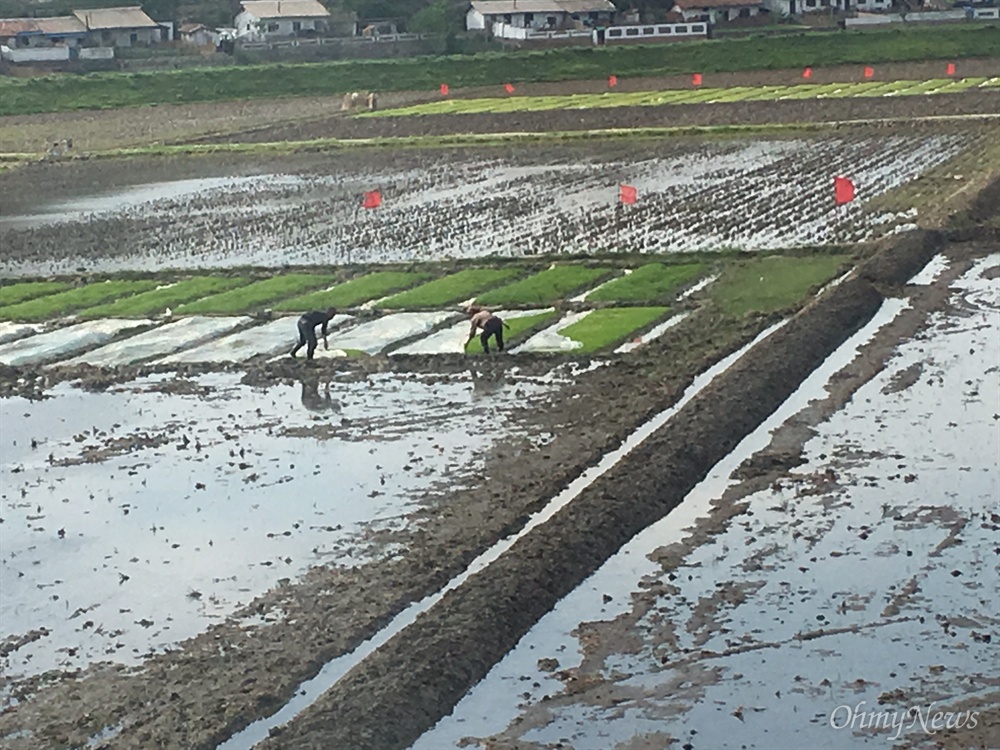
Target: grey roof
[[115, 18], [500, 7]]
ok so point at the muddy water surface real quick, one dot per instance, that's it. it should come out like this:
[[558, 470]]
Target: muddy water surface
[[135, 518]]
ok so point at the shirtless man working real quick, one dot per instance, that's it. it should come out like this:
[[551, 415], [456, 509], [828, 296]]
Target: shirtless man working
[[307, 330], [491, 325]]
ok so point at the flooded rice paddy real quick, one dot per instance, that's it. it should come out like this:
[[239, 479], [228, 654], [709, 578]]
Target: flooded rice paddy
[[709, 195], [135, 518]]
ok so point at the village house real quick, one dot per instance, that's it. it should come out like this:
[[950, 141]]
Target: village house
[[800, 7], [119, 27], [551, 15], [260, 20], [21, 33], [197, 35], [715, 11]]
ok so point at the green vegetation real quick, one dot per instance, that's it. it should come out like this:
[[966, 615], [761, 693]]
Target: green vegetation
[[354, 292], [545, 287], [771, 283], [15, 293], [656, 98], [64, 303], [101, 90], [653, 281], [158, 300], [456, 287], [602, 328], [515, 327], [251, 297]]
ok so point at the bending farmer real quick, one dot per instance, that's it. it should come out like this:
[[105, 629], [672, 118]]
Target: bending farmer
[[307, 330], [491, 325]]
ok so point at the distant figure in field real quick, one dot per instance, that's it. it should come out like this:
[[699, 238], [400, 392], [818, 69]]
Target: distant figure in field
[[372, 101], [491, 325], [307, 330]]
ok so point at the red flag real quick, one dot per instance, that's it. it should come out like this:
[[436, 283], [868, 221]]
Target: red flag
[[869, 71], [372, 199], [951, 69], [696, 79], [444, 89], [628, 194], [807, 73], [843, 190], [612, 81], [509, 88]]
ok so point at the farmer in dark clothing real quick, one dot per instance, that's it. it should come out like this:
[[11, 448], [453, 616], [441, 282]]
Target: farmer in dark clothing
[[491, 325], [307, 330]]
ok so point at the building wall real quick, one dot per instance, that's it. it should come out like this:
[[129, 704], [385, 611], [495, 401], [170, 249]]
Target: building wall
[[249, 26], [125, 37]]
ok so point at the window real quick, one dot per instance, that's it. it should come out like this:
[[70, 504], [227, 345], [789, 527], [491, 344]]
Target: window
[[528, 18], [133, 38], [744, 13], [810, 3], [272, 26], [614, 32], [632, 32], [551, 21], [296, 26], [506, 17]]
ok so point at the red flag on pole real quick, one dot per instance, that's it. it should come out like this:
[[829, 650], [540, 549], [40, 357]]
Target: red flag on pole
[[951, 69], [372, 199], [807, 73], [869, 71], [612, 81], [509, 88], [628, 194], [843, 190], [696, 79], [444, 89]]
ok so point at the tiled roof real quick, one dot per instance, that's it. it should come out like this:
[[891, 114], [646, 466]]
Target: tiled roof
[[706, 4], [61, 25]]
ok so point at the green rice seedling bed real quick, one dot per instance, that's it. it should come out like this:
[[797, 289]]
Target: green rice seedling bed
[[13, 294], [455, 287], [158, 300], [354, 292], [253, 296], [546, 287], [72, 300], [610, 325], [653, 281]]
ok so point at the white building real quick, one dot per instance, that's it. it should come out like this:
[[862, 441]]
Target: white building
[[715, 11], [539, 14], [263, 19]]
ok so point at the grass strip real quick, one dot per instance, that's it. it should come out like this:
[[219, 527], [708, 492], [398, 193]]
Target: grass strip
[[158, 300], [653, 281], [455, 287], [772, 283], [544, 288], [13, 294], [252, 296], [610, 325], [354, 292]]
